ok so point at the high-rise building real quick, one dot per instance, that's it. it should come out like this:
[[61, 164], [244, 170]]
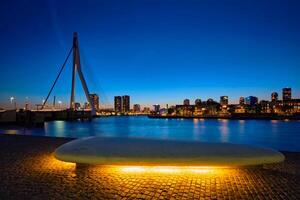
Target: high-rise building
[[136, 108], [286, 93], [125, 104], [186, 102], [118, 104], [242, 101], [251, 100], [274, 96], [156, 108], [224, 100], [94, 98]]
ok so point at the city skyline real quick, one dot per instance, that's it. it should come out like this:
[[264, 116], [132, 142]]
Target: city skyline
[[279, 96], [158, 52]]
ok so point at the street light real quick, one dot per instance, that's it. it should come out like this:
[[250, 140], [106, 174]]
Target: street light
[[12, 99], [59, 104], [26, 103]]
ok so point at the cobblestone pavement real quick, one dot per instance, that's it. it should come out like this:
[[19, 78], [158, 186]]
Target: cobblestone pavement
[[28, 170]]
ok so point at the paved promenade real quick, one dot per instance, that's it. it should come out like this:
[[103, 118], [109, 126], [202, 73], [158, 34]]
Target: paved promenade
[[29, 171]]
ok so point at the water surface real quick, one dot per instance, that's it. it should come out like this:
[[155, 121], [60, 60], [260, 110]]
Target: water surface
[[280, 135]]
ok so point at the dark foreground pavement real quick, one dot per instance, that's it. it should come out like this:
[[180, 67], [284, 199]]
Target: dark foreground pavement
[[29, 171]]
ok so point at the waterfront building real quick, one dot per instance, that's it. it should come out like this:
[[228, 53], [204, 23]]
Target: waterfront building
[[290, 106], [186, 102], [156, 109], [198, 102], [224, 100], [242, 101], [125, 103], [286, 94], [146, 110], [136, 108], [118, 104], [210, 107], [251, 100], [274, 96], [185, 110], [77, 106], [265, 106], [95, 99], [198, 107], [239, 109]]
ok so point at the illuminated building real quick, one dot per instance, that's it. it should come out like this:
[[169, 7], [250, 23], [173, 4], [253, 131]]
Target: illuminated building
[[186, 102], [185, 110], [286, 93], [265, 106], [274, 96], [95, 99], [125, 104], [136, 108], [77, 106], [210, 107], [224, 100], [156, 108], [118, 104], [242, 101], [198, 107], [239, 109], [251, 100], [290, 106]]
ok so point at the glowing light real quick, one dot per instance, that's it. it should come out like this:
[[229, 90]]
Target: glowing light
[[49, 163], [132, 169], [168, 169]]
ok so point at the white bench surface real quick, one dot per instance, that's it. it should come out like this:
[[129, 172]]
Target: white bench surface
[[140, 152]]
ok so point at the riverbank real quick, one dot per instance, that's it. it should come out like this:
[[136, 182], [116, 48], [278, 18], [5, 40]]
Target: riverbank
[[29, 171], [229, 117]]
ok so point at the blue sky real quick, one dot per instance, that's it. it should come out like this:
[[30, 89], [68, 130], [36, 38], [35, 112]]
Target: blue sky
[[155, 51]]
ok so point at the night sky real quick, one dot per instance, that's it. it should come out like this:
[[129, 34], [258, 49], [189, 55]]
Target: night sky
[[155, 51]]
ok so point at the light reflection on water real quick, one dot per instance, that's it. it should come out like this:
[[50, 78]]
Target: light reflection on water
[[281, 135]]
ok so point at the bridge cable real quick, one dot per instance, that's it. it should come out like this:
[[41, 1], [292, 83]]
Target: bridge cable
[[63, 66]]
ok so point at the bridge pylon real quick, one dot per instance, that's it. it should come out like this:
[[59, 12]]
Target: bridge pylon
[[77, 68]]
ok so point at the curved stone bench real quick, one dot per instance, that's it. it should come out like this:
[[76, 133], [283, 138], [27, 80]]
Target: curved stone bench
[[135, 151]]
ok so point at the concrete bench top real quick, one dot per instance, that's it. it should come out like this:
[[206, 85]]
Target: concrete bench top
[[136, 151]]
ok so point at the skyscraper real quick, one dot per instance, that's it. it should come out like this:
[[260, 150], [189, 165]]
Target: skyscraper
[[286, 93], [125, 104], [156, 108], [224, 100], [95, 99], [251, 100], [118, 104], [274, 96]]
